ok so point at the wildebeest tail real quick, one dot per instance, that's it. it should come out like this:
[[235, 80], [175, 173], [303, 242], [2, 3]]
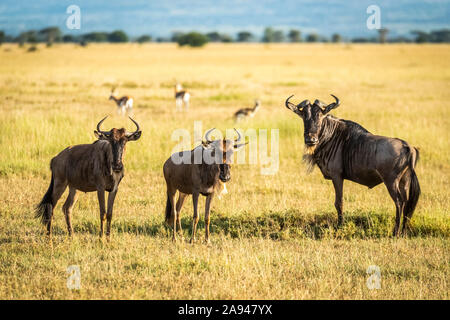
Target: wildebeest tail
[[45, 207], [169, 216], [414, 187]]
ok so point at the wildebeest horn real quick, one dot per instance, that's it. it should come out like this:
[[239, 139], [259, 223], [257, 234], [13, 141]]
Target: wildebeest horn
[[239, 136], [337, 100], [289, 104], [137, 125], [99, 124], [333, 105], [207, 135]]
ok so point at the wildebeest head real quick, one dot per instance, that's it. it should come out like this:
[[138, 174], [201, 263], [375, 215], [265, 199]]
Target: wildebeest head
[[118, 139], [312, 115], [222, 152]]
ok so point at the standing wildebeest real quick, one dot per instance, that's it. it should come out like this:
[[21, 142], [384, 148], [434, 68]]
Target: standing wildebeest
[[87, 167], [197, 177], [343, 149]]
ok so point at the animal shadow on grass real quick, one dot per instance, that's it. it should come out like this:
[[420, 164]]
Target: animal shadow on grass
[[284, 225]]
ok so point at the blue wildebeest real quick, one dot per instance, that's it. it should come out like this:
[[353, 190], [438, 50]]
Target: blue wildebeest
[[343, 149], [197, 177], [87, 168]]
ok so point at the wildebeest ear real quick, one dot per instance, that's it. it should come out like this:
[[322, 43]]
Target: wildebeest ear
[[238, 146], [206, 144], [134, 136], [100, 135], [319, 103]]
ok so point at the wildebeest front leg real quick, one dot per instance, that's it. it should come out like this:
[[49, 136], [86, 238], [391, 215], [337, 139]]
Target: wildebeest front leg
[[109, 213], [195, 196], [101, 203], [207, 207], [338, 184]]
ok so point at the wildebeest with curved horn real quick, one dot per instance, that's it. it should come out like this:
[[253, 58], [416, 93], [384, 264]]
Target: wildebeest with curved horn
[[343, 149], [201, 172], [87, 167]]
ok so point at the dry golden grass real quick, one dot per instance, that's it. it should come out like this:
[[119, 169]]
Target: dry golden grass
[[273, 237]]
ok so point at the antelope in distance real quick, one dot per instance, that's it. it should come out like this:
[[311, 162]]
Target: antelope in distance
[[344, 150], [181, 97], [205, 177], [124, 104], [87, 168], [245, 113]]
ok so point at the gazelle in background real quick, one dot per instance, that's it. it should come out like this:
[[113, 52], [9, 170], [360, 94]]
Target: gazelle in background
[[124, 104], [181, 97], [245, 113]]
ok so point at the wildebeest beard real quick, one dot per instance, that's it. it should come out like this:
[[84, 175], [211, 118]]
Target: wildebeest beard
[[308, 158]]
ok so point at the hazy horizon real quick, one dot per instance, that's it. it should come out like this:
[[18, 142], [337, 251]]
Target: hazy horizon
[[161, 18]]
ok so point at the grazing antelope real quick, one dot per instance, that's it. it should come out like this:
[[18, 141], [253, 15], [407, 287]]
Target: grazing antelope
[[247, 112], [124, 104], [344, 150], [205, 177], [87, 168], [181, 97]]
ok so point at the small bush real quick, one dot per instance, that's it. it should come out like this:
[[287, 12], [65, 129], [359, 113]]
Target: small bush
[[144, 38], [193, 39], [32, 48]]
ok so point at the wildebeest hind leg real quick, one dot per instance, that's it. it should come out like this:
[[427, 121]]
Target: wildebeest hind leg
[[67, 208], [394, 191], [173, 213], [58, 190], [338, 184], [404, 192], [180, 202]]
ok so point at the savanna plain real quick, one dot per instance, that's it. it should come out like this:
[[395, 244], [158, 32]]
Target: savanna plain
[[272, 236]]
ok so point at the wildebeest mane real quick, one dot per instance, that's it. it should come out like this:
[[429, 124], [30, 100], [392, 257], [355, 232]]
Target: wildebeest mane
[[334, 132], [105, 147]]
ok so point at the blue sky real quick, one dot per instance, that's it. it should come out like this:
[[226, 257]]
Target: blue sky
[[160, 18]]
